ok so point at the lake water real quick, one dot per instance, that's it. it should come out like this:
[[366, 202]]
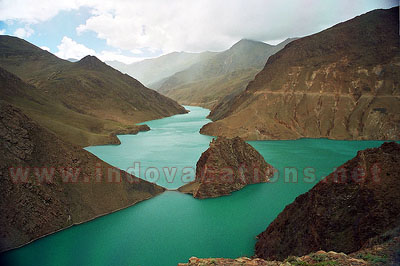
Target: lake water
[[172, 227]]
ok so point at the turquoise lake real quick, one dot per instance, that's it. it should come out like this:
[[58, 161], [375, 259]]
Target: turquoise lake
[[172, 227]]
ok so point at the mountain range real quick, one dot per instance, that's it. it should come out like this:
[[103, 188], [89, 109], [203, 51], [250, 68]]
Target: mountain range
[[49, 109], [341, 83], [151, 71], [204, 78], [209, 81], [86, 102]]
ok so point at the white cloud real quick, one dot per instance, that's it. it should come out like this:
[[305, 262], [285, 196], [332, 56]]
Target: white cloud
[[181, 25], [2, 31], [34, 12], [136, 51], [45, 48], [23, 32], [68, 48], [117, 56], [197, 25]]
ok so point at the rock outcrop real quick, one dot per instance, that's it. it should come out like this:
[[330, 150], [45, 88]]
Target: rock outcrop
[[341, 83], [343, 212], [317, 258], [63, 185], [226, 166], [382, 250]]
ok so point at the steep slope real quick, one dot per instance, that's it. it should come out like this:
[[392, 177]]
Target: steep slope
[[151, 71], [80, 129], [33, 207], [207, 82], [74, 127], [226, 166], [89, 88], [357, 202], [341, 83]]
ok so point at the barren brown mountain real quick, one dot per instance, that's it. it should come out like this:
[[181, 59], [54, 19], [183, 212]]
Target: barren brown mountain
[[31, 208], [89, 100], [341, 83], [59, 119], [343, 212]]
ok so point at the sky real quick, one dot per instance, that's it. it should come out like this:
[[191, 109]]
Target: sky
[[133, 30]]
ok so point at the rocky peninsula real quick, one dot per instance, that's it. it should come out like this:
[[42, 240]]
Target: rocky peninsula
[[227, 165]]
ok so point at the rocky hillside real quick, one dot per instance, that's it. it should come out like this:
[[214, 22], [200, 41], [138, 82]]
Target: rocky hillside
[[383, 250], [381, 254], [87, 90], [341, 83], [355, 210], [226, 166], [209, 81], [80, 129], [320, 258], [343, 212], [33, 207], [153, 70]]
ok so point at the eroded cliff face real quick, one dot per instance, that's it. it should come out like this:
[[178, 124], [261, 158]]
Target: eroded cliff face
[[226, 166], [82, 187], [343, 212], [341, 83]]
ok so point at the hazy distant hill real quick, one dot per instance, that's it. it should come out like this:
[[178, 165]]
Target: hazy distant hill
[[208, 81], [150, 71], [83, 102], [341, 83]]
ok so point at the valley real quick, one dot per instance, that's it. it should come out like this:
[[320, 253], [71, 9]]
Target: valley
[[74, 100], [323, 86], [175, 142], [155, 133]]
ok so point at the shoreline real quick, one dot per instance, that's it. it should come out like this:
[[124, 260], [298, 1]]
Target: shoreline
[[80, 223], [140, 127], [114, 140]]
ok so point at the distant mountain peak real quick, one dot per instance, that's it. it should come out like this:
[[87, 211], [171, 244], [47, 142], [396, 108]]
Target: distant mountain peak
[[247, 43], [90, 59], [244, 40], [91, 62]]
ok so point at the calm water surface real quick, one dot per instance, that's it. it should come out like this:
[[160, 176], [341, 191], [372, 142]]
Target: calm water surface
[[172, 227]]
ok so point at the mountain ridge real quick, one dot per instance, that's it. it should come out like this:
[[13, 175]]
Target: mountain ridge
[[209, 81], [342, 212], [91, 100], [32, 208], [339, 84], [153, 70]]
